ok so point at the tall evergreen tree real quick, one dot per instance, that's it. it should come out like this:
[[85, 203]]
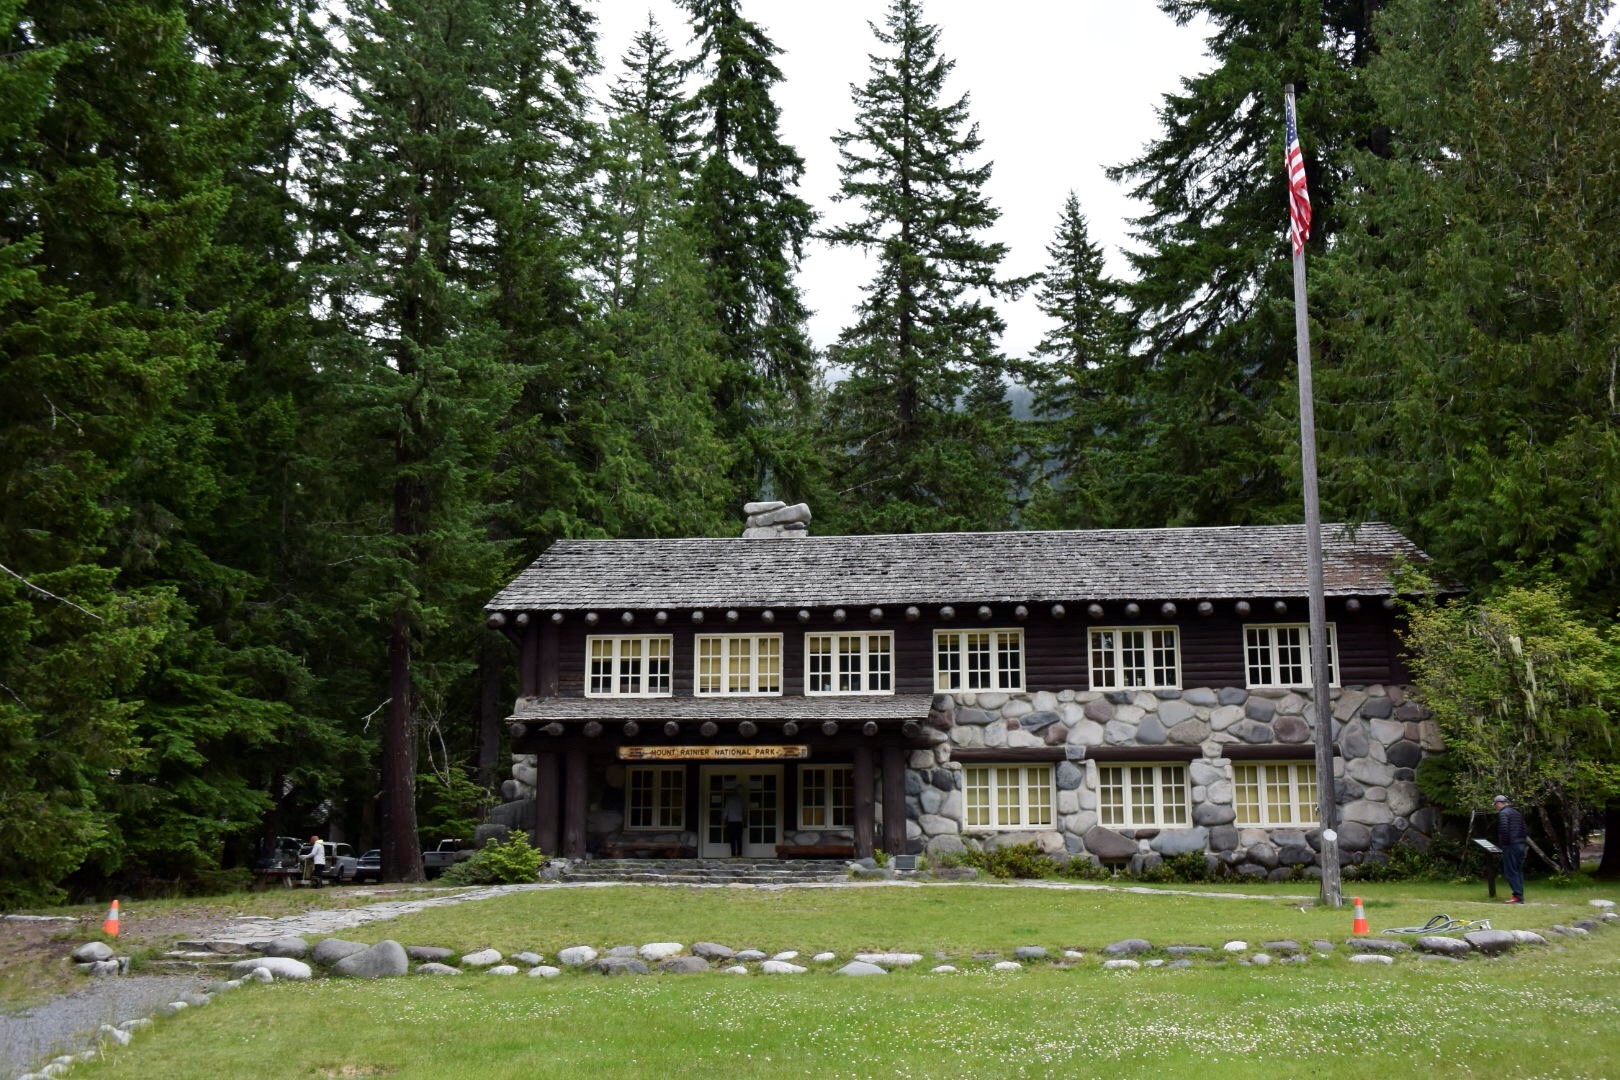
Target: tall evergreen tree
[[921, 431], [1080, 375], [1469, 364], [750, 224], [1212, 296], [419, 380]]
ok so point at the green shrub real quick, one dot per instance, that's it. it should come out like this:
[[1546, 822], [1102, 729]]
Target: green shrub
[[1081, 868], [1403, 862], [1012, 861], [512, 863]]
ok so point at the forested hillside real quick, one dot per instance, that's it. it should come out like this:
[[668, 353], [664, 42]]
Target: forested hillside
[[319, 319]]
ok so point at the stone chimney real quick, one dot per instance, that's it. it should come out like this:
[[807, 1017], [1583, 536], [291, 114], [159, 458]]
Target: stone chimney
[[771, 519]]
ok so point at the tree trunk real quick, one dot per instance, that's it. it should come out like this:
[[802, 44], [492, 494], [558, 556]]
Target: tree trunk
[[401, 853], [1609, 867]]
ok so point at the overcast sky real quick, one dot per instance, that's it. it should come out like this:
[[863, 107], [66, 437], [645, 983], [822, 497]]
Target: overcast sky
[[1060, 89]]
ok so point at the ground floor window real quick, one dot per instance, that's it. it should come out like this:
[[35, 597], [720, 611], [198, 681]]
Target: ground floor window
[[826, 796], [1275, 793], [657, 797], [1138, 795], [1008, 796]]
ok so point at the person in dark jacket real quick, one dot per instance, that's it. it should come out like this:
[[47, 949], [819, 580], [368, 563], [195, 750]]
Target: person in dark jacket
[[1511, 838]]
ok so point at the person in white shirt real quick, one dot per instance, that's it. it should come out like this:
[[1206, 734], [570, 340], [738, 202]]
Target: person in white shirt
[[315, 867]]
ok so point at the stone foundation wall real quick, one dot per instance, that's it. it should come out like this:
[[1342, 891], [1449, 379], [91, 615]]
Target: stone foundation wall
[[1380, 736]]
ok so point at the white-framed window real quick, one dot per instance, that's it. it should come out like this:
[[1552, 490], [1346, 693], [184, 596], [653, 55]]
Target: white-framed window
[[1275, 792], [739, 664], [826, 797], [1140, 795], [849, 663], [1123, 658], [978, 660], [1279, 654], [628, 666], [1007, 797], [656, 798]]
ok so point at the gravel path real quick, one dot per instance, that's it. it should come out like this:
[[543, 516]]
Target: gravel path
[[67, 1024]]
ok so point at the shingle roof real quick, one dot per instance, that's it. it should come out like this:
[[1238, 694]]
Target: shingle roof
[[725, 709], [955, 568]]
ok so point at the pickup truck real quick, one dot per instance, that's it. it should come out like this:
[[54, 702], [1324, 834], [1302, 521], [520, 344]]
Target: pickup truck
[[437, 860]]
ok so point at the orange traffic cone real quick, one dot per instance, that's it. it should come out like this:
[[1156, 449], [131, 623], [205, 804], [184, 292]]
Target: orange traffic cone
[[1360, 925], [110, 927]]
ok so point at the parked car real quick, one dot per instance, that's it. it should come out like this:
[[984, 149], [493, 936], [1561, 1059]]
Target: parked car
[[369, 866], [341, 861], [280, 853], [441, 858]]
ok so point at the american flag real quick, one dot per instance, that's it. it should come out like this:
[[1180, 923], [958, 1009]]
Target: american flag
[[1299, 200]]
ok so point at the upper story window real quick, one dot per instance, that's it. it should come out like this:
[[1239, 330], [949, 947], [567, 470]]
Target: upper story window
[[1280, 654], [1137, 795], [739, 664], [849, 663], [1129, 658], [1275, 793], [978, 660], [628, 666], [1007, 797]]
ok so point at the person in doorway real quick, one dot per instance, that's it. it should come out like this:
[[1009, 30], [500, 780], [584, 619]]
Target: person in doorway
[[1511, 837], [315, 865], [731, 813]]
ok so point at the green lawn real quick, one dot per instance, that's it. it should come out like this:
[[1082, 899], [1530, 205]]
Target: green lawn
[[951, 918], [1540, 1012]]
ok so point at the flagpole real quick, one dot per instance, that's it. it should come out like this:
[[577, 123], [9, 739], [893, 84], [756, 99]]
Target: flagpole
[[1327, 803]]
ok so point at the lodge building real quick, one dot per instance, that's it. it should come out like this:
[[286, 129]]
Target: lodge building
[[1118, 695]]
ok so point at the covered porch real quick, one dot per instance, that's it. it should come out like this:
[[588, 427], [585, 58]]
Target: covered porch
[[648, 778]]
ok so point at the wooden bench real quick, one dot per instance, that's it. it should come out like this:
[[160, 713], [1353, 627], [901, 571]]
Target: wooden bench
[[649, 850], [815, 851]]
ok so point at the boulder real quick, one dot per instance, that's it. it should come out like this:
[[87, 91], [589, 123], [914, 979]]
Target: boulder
[[1527, 937], [1007, 965], [1127, 947], [1285, 947], [1371, 958], [1180, 841], [1443, 946], [659, 950], [432, 968], [620, 965], [889, 959], [1207, 814], [684, 965], [527, 959], [1180, 951], [502, 969], [294, 947], [750, 955], [1490, 942], [781, 967], [1291, 729], [824, 957], [429, 952], [92, 951], [282, 967], [1376, 945], [544, 971], [384, 959], [1107, 844], [710, 951], [482, 958], [331, 950], [943, 969], [1121, 965], [576, 956], [1030, 952], [861, 967]]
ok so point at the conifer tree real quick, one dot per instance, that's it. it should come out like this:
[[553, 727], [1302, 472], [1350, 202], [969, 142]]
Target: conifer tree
[[1080, 376], [920, 430], [420, 384], [1209, 438], [750, 224], [1469, 367]]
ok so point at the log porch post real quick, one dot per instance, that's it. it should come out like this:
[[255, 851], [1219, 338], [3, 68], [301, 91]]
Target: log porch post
[[573, 826], [547, 804], [864, 815], [894, 800]]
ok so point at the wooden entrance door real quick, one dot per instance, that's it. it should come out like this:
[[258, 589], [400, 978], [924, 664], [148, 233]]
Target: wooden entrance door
[[761, 789]]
